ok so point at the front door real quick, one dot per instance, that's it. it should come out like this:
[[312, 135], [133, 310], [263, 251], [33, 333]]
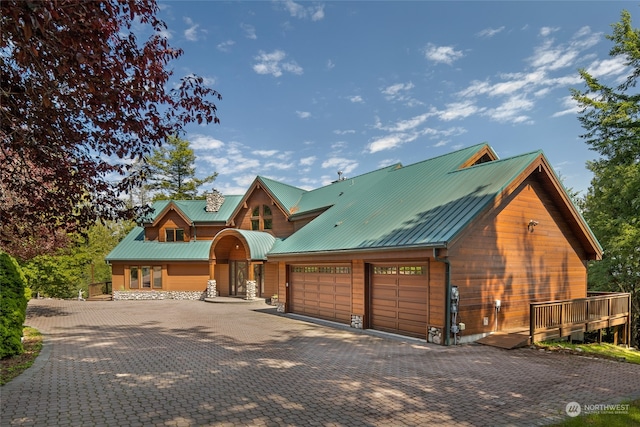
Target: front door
[[238, 280]]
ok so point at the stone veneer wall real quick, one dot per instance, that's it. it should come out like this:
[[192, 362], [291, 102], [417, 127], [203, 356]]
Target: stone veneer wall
[[434, 335], [158, 295], [215, 199]]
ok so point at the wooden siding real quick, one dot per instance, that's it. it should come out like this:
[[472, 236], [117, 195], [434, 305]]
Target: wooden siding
[[222, 279], [281, 227], [117, 276], [499, 258], [187, 277], [270, 279], [437, 288], [283, 278], [358, 301], [170, 220], [207, 232]]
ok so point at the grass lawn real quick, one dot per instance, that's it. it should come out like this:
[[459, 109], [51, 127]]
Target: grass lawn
[[603, 417], [608, 351], [11, 367]]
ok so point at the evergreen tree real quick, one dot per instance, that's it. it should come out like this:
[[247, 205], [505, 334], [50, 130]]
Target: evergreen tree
[[172, 173], [611, 117]]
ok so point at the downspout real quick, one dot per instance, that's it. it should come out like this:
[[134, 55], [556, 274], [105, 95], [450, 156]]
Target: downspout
[[447, 307], [195, 237]]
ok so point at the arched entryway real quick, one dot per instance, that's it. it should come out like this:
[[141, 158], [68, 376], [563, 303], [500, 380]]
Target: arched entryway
[[236, 261]]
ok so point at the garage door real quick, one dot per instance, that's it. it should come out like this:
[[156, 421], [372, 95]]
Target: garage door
[[398, 301], [321, 291]]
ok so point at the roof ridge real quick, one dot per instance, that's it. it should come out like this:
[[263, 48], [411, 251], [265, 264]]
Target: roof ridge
[[493, 162]]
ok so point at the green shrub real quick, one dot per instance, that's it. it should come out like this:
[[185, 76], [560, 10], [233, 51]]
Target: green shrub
[[13, 306]]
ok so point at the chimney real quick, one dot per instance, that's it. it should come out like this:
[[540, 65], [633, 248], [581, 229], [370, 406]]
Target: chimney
[[214, 201]]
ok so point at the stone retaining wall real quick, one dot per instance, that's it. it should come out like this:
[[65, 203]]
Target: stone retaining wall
[[158, 295]]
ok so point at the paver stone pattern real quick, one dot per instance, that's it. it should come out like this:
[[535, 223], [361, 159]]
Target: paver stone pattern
[[191, 363]]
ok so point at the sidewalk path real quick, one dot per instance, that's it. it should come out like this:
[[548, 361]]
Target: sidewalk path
[[190, 363]]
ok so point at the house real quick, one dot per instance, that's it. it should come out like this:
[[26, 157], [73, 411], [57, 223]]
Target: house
[[453, 247]]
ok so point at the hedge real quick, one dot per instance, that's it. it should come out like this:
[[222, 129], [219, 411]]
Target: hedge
[[13, 306]]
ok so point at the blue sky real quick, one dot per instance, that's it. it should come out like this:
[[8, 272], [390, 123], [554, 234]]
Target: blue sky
[[313, 88]]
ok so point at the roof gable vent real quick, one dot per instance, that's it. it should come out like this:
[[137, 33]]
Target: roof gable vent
[[215, 199]]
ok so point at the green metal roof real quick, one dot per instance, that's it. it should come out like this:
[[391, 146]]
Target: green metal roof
[[134, 248], [259, 242], [421, 205], [426, 204], [287, 195]]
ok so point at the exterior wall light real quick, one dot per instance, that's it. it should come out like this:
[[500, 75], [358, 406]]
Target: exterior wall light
[[532, 225]]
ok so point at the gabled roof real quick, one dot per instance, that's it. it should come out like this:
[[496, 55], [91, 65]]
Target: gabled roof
[[423, 205], [426, 204], [195, 210], [134, 248]]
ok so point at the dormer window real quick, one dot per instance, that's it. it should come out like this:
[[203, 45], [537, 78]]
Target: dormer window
[[174, 235], [261, 218]]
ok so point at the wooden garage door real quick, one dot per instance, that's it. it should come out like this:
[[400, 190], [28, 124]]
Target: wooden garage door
[[398, 300], [321, 291]]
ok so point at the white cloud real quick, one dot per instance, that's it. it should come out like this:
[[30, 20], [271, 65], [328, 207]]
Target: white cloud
[[308, 161], [387, 142], [393, 90], [344, 132], [442, 54], [225, 46], [249, 31], [191, 33], [340, 164], [547, 31], [458, 110], [510, 110], [165, 34], [356, 99], [570, 107], [272, 63], [607, 67], [490, 32], [303, 114], [265, 153], [205, 142], [404, 125], [315, 12], [278, 166], [553, 57], [401, 92], [330, 65]]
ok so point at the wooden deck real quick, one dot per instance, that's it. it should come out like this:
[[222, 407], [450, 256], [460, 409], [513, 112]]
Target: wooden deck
[[100, 291], [558, 319]]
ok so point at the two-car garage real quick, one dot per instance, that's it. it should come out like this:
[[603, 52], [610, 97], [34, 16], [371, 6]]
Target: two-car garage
[[396, 298]]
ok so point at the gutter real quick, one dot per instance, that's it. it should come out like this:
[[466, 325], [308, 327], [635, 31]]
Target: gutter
[[447, 308]]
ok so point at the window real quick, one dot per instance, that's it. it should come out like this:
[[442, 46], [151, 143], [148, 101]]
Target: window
[[145, 277], [157, 277], [412, 270], [174, 235], [134, 282], [384, 270], [321, 269], [261, 218]]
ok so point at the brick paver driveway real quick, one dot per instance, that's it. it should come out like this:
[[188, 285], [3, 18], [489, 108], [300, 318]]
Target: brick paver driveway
[[185, 363]]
